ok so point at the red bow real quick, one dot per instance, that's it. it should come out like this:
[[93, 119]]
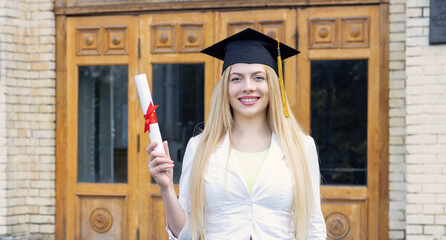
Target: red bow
[[150, 117]]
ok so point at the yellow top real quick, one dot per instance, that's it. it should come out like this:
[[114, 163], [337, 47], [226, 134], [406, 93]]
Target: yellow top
[[250, 165]]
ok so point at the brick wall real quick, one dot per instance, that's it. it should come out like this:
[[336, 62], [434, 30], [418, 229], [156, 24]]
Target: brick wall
[[27, 119], [425, 128], [3, 147], [417, 125], [397, 120]]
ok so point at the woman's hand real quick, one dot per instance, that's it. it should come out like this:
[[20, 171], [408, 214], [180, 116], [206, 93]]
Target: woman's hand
[[160, 166], [161, 169]]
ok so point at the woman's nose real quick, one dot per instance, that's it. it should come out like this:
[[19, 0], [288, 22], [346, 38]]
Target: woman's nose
[[249, 85]]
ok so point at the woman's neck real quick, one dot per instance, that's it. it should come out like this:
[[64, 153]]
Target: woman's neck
[[251, 135]]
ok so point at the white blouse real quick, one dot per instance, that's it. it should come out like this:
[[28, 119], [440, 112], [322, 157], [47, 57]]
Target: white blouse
[[233, 213]]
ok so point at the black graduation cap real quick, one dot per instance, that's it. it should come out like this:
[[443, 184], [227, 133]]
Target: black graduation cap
[[250, 46]]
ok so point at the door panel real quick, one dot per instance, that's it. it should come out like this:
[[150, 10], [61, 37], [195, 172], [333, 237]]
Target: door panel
[[101, 217], [181, 79], [180, 90], [339, 104], [339, 119], [101, 148], [346, 219], [102, 124]]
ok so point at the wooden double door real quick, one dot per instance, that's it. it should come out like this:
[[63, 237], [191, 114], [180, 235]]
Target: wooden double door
[[104, 189]]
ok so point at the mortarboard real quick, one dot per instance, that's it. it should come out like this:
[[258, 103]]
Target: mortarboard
[[250, 46]]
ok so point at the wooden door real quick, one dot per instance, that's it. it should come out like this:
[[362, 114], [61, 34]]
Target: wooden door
[[342, 102], [181, 80], [104, 189], [99, 181]]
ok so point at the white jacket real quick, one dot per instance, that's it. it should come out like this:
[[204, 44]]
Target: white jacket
[[232, 213]]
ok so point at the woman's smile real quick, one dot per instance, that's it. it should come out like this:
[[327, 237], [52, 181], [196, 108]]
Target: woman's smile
[[249, 100]]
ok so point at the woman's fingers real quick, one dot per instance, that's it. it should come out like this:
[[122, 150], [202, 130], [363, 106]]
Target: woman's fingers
[[160, 160], [158, 168], [151, 146], [150, 151], [155, 157], [160, 165], [154, 154]]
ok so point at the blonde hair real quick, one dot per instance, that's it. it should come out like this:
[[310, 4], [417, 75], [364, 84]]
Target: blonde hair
[[288, 131]]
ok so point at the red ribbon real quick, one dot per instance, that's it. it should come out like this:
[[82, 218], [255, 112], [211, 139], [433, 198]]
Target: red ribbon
[[150, 117]]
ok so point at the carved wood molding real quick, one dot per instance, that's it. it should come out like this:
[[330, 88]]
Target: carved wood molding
[[354, 32], [101, 220], [101, 40], [192, 37], [273, 28], [343, 32], [116, 40], [177, 38], [101, 216], [88, 41], [323, 33], [83, 7], [345, 218], [338, 225]]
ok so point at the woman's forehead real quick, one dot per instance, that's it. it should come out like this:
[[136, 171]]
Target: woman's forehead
[[243, 68]]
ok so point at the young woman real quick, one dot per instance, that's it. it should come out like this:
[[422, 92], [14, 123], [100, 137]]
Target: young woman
[[252, 173]]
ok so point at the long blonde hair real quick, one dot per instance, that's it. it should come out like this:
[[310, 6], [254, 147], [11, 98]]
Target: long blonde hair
[[288, 131]]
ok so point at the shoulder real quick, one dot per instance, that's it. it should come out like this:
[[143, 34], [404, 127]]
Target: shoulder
[[194, 141], [191, 148], [310, 149], [308, 142]]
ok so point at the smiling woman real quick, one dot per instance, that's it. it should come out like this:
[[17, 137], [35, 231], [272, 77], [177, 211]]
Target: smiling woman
[[252, 162]]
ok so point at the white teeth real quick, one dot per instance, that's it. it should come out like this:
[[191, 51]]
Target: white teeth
[[248, 99]]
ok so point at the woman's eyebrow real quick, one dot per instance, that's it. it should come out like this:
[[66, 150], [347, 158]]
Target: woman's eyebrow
[[236, 73], [256, 72]]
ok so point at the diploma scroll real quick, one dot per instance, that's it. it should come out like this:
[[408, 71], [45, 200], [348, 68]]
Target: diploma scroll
[[151, 123]]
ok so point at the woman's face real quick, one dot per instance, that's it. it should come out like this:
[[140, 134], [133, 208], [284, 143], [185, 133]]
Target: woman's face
[[248, 90]]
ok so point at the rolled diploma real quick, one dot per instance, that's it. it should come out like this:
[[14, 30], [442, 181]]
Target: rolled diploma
[[146, 98]]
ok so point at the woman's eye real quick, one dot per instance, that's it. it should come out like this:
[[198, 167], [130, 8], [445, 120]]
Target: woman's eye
[[235, 79], [259, 78]]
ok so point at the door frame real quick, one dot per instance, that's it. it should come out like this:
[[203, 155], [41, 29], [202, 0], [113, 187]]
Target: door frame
[[381, 128]]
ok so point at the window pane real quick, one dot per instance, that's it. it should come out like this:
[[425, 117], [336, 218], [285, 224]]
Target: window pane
[[102, 124], [339, 119], [178, 89]]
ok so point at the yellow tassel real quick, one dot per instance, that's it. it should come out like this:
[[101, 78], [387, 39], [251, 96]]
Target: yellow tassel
[[282, 90]]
